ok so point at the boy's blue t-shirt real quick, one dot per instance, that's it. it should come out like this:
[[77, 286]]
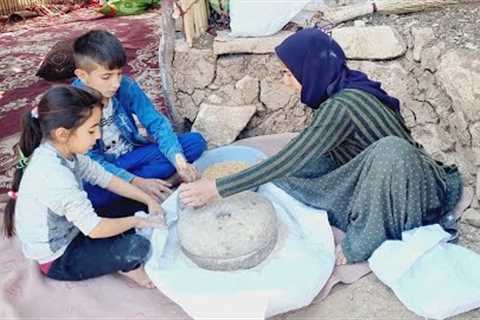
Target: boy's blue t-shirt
[[130, 100]]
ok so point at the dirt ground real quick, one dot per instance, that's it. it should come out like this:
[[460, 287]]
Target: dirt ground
[[368, 298], [457, 26]]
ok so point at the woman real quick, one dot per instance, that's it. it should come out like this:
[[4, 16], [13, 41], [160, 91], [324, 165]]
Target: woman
[[357, 159]]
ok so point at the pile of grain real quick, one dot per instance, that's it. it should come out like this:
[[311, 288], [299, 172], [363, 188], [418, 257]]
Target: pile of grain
[[223, 169]]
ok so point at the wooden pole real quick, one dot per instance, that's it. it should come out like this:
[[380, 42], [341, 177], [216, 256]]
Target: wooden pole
[[165, 60], [195, 18], [201, 20], [195, 22], [188, 20]]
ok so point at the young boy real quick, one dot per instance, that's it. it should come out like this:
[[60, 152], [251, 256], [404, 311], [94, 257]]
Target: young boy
[[99, 59]]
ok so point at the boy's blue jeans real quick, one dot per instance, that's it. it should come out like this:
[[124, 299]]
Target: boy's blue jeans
[[147, 162]]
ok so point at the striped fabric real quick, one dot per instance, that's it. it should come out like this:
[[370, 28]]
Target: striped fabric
[[343, 126]]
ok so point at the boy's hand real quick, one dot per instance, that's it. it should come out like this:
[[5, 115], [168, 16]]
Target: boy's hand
[[156, 188], [185, 170]]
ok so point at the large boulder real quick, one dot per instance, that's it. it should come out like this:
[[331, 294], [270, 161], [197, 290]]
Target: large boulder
[[220, 125], [370, 43]]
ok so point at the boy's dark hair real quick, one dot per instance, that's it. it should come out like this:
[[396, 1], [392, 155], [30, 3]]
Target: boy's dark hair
[[61, 107], [99, 47]]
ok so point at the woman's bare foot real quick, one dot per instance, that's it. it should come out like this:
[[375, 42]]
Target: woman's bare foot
[[340, 258], [140, 277]]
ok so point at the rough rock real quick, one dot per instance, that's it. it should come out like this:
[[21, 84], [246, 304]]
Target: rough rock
[[421, 36], [194, 68], [275, 95], [249, 88], [375, 42], [220, 125], [472, 217], [431, 57], [459, 74], [224, 44]]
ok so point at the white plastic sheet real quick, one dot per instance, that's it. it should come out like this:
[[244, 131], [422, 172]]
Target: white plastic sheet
[[288, 279], [431, 277], [304, 17], [257, 18]]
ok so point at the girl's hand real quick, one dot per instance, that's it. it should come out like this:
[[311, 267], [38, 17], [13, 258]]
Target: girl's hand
[[185, 170], [154, 208], [155, 217], [156, 188], [198, 193], [152, 221]]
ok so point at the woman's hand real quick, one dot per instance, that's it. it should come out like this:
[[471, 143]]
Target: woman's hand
[[198, 193]]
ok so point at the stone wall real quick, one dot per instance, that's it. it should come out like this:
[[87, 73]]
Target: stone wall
[[439, 88]]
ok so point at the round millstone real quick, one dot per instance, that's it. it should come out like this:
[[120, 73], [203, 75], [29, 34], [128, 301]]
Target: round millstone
[[237, 232]]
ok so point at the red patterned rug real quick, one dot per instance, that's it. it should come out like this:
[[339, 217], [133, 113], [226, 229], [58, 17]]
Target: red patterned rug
[[23, 47]]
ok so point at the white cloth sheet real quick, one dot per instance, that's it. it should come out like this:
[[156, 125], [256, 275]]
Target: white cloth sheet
[[431, 277], [288, 279]]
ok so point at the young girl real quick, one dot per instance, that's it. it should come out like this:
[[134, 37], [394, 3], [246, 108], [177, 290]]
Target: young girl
[[357, 159], [50, 212]]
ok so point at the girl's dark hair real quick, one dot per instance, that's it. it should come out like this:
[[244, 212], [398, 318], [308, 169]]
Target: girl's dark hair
[[61, 107]]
